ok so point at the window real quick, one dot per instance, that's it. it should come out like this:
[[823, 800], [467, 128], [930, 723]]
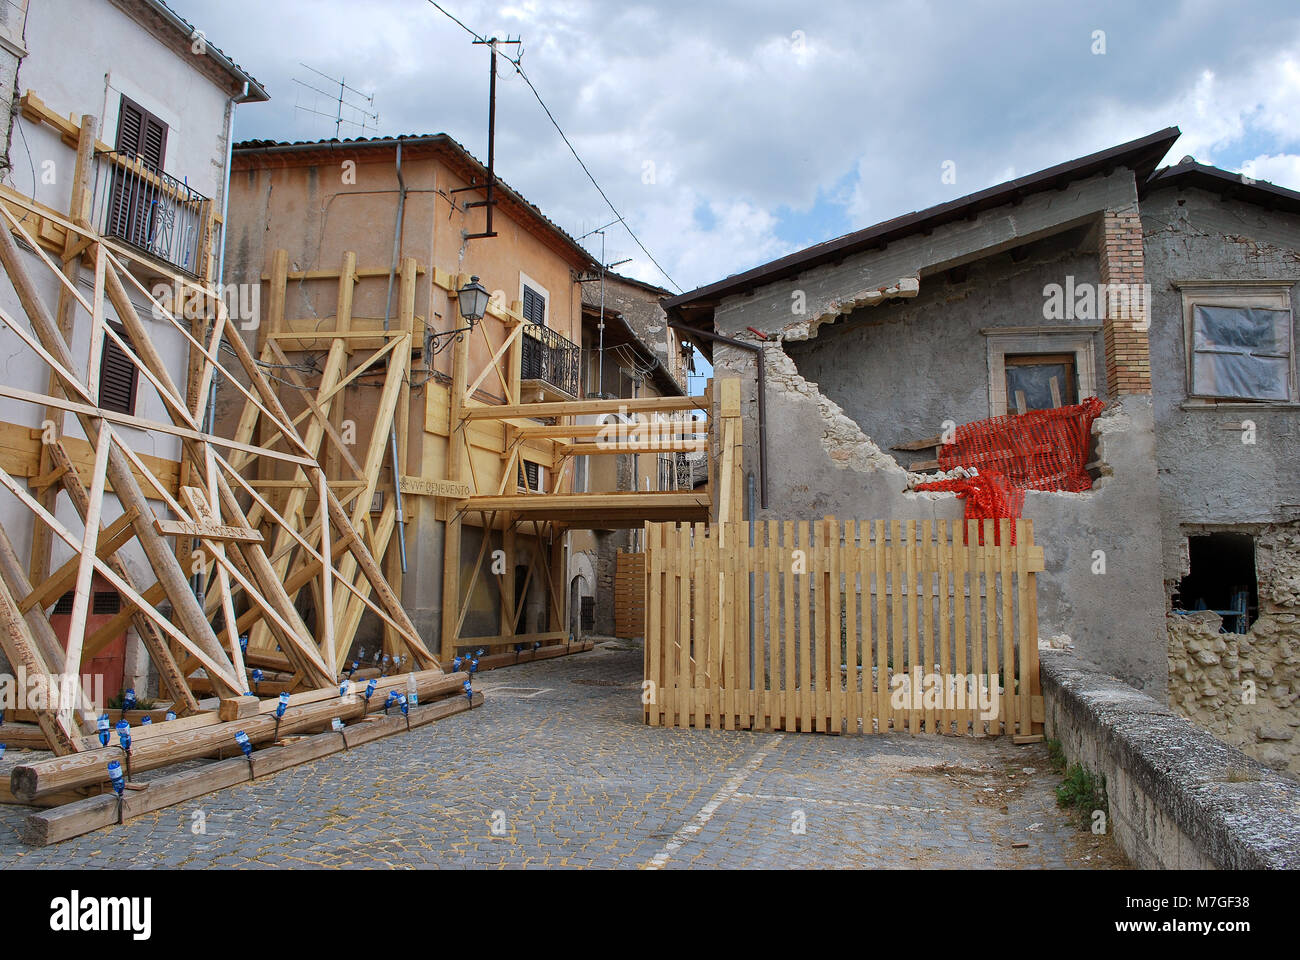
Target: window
[[1027, 359], [530, 476], [118, 375], [132, 204], [1040, 381], [535, 299], [1221, 577], [1241, 352], [1239, 340]]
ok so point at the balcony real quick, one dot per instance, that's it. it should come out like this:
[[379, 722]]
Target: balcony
[[152, 211], [549, 370]]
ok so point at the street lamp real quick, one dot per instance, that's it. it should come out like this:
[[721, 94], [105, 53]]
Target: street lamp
[[471, 300]]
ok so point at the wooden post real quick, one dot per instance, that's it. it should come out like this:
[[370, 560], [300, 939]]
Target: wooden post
[[79, 208], [455, 472]]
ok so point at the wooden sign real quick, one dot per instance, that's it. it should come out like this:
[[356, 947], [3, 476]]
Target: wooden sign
[[206, 531], [435, 488]]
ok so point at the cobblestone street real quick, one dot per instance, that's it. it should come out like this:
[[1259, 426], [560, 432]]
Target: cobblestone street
[[560, 766]]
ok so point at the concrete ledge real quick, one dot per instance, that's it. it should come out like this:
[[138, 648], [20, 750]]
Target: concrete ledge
[[1173, 800]]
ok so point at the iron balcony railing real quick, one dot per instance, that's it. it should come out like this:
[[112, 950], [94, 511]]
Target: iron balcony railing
[[151, 210], [551, 357]]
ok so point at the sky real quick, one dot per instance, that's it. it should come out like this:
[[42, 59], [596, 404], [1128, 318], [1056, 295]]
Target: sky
[[728, 134]]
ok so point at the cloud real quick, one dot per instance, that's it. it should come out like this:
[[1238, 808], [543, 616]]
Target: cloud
[[783, 122]]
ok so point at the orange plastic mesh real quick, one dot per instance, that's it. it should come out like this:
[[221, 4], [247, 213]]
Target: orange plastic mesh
[[1038, 450]]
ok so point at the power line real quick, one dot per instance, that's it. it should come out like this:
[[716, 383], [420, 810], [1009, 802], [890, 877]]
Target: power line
[[555, 123]]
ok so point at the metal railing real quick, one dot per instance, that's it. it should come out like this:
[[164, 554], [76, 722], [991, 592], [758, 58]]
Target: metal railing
[[151, 210], [551, 357]]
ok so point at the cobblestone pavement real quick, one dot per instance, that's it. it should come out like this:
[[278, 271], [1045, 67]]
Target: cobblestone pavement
[[559, 761]]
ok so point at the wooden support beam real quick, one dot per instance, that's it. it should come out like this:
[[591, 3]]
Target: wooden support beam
[[580, 408], [186, 610]]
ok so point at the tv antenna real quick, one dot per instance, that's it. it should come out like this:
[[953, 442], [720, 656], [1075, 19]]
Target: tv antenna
[[490, 202], [350, 106]]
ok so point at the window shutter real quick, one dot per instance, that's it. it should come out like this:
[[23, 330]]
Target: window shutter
[[118, 376], [130, 125], [534, 306]]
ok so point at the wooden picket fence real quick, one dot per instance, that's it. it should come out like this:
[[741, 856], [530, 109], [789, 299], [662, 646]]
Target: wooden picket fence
[[844, 627], [629, 595]]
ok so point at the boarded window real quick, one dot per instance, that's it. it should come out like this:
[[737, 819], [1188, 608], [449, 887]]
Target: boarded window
[[118, 375], [534, 306], [1241, 353], [1040, 381]]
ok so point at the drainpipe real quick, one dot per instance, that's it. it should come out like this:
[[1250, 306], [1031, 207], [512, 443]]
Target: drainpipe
[[388, 309], [762, 395]]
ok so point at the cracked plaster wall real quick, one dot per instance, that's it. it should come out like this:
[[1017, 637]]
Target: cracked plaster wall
[[821, 462]]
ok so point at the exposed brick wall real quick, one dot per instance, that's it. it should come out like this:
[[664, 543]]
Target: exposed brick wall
[[1128, 355]]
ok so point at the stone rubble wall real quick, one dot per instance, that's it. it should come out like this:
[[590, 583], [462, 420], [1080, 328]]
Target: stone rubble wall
[[1211, 674]]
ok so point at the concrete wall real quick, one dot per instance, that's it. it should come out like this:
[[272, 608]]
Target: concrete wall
[[1245, 688], [901, 369], [1178, 798], [822, 461]]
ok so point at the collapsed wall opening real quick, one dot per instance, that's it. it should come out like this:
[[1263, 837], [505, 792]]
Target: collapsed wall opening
[[1221, 578]]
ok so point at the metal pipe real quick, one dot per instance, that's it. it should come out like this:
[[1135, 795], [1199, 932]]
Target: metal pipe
[[388, 309], [762, 395]]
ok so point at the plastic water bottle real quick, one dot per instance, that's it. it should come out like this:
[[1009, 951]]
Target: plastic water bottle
[[469, 690], [245, 745], [282, 706], [171, 715], [146, 719], [336, 725], [115, 777], [370, 688], [128, 700], [103, 724], [124, 735], [405, 705]]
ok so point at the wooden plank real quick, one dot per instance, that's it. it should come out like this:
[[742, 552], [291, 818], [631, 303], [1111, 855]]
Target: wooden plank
[[1006, 558], [789, 667], [654, 616], [978, 661], [807, 696], [882, 630], [834, 657], [580, 408], [961, 718], [75, 819], [943, 552], [685, 699], [207, 531], [853, 694], [898, 666], [744, 564], [926, 568], [990, 551]]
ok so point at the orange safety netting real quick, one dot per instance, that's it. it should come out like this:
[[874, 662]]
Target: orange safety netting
[[1038, 450]]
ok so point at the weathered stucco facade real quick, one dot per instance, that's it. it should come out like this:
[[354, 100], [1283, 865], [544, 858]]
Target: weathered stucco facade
[[899, 332], [1217, 476]]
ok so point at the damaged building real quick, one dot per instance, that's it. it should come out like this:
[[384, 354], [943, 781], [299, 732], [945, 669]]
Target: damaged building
[[1165, 293]]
